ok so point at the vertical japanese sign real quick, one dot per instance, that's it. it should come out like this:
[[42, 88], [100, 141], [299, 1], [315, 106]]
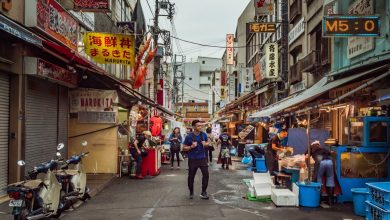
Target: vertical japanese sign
[[223, 84], [50, 17], [110, 48], [229, 49], [264, 7], [246, 79], [271, 61], [360, 45]]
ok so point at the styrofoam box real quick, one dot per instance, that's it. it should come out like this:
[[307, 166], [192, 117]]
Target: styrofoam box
[[261, 178], [295, 188], [263, 190], [283, 197], [252, 192]]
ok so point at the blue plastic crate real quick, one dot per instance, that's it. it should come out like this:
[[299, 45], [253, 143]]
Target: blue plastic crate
[[260, 165], [379, 194], [374, 212]]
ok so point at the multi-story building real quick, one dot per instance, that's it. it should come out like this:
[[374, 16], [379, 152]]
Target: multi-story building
[[192, 111]]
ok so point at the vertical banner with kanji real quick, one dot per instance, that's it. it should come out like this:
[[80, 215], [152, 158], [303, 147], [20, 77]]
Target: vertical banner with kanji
[[110, 48], [229, 49], [271, 61]]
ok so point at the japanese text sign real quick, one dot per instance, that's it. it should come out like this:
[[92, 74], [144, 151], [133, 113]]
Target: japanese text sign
[[92, 5], [257, 72], [271, 61], [110, 48], [50, 17], [223, 78], [261, 27], [229, 49]]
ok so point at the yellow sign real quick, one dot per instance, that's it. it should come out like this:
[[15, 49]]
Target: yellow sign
[[223, 92], [110, 48]]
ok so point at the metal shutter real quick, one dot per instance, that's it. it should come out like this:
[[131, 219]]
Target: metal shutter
[[63, 119], [4, 125], [41, 122]]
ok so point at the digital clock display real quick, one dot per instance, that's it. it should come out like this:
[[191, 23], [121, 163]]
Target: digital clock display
[[351, 25]]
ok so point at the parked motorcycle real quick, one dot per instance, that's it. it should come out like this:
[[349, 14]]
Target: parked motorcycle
[[73, 181], [36, 198]]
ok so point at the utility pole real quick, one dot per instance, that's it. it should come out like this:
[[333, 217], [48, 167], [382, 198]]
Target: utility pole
[[213, 94], [284, 72], [156, 64]]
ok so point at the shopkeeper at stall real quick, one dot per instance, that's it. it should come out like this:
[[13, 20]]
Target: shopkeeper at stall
[[316, 152], [275, 145]]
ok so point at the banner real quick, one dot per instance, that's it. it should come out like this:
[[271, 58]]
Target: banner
[[229, 49], [264, 7], [110, 48], [223, 78], [246, 79], [93, 100], [257, 72], [92, 5]]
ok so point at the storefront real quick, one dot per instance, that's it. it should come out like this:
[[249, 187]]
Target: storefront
[[46, 104], [4, 125]]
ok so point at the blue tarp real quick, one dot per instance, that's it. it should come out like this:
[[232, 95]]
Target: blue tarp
[[297, 138]]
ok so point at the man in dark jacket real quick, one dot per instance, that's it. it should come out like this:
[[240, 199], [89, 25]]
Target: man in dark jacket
[[271, 158]]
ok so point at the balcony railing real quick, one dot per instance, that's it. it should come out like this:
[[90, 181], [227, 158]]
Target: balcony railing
[[295, 10], [295, 73], [310, 61]]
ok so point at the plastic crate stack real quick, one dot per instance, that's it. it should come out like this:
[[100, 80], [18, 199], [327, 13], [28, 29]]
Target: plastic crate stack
[[378, 204]]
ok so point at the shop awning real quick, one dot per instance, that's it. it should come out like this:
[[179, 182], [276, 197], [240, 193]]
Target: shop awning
[[316, 90]]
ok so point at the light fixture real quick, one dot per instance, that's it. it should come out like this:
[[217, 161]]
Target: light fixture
[[85, 76]]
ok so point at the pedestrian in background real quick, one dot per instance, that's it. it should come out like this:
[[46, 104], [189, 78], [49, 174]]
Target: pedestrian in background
[[175, 145], [226, 142], [195, 143], [138, 149], [211, 148]]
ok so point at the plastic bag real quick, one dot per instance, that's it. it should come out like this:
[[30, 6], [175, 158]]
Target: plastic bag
[[246, 160], [233, 151]]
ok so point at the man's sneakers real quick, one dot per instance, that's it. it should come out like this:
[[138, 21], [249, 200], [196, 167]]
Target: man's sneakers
[[204, 195], [191, 196]]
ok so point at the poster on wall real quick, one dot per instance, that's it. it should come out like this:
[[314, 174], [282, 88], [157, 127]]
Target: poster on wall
[[93, 100]]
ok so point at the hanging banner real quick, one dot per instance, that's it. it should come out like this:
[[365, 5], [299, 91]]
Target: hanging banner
[[246, 79], [110, 48], [223, 78], [229, 49], [50, 17], [257, 72], [92, 5], [93, 100], [271, 61], [264, 7]]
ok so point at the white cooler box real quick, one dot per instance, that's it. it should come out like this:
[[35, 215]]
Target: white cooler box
[[283, 197]]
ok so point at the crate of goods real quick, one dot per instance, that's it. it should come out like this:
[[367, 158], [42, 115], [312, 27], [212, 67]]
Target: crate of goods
[[379, 194], [283, 197], [374, 212]]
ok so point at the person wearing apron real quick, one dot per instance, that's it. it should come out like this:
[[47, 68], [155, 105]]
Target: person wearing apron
[[274, 146]]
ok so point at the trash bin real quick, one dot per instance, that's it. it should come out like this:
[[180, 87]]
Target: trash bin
[[359, 195], [309, 194]]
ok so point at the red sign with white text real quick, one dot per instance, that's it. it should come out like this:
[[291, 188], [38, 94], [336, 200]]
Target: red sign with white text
[[92, 5]]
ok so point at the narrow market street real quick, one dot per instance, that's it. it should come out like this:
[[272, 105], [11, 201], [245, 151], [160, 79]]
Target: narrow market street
[[166, 197]]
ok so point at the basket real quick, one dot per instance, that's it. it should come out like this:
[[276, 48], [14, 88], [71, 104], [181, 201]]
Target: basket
[[374, 212], [379, 194]]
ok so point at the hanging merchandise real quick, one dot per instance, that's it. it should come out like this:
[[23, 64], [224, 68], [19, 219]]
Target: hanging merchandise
[[150, 55], [157, 125], [140, 78]]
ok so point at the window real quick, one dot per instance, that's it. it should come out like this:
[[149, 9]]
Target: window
[[209, 78], [378, 131], [196, 108], [190, 78], [203, 62]]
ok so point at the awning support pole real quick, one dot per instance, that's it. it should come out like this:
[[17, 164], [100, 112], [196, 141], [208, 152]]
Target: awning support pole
[[308, 144]]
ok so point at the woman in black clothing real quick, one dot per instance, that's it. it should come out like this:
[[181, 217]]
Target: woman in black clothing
[[176, 140]]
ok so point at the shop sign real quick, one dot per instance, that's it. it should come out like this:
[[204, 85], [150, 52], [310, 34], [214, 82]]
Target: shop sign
[[246, 79], [223, 78], [51, 18], [330, 7], [297, 31], [93, 100], [264, 7], [223, 92], [97, 117], [86, 19], [256, 27], [110, 48], [257, 72], [47, 70], [232, 87], [16, 30], [92, 5], [229, 49], [360, 45], [271, 61]]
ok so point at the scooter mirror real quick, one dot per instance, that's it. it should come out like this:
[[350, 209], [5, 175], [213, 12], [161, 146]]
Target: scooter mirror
[[84, 143], [60, 146], [21, 163], [58, 154]]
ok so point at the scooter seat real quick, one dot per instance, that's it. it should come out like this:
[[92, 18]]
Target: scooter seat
[[31, 184]]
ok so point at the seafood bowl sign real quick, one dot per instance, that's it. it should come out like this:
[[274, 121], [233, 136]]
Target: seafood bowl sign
[[51, 18]]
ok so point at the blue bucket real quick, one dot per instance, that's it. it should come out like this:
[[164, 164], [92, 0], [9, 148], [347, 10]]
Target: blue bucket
[[359, 195], [260, 165], [309, 195]]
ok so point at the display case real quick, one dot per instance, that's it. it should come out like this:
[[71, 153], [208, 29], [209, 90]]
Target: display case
[[369, 131]]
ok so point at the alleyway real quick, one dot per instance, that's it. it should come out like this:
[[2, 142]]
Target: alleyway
[[166, 197]]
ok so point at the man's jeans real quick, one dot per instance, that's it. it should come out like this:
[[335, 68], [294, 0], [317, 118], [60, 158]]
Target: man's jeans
[[138, 159], [193, 165]]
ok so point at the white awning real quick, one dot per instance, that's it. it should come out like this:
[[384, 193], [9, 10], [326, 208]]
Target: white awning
[[316, 90]]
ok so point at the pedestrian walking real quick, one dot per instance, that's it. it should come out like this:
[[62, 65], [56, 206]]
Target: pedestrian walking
[[211, 148], [175, 140], [226, 142], [195, 144]]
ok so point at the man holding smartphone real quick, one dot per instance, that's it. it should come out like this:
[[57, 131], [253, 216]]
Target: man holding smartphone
[[195, 144]]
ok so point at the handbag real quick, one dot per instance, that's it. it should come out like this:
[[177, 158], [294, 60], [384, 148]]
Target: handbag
[[175, 146], [233, 151], [144, 153]]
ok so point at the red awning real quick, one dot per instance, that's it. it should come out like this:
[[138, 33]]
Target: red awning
[[66, 53]]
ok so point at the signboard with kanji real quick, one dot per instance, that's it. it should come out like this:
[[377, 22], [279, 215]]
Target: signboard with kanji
[[110, 48], [271, 61], [256, 27], [92, 5], [229, 49], [264, 7]]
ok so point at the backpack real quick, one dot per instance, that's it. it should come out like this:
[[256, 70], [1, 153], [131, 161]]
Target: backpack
[[194, 136]]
